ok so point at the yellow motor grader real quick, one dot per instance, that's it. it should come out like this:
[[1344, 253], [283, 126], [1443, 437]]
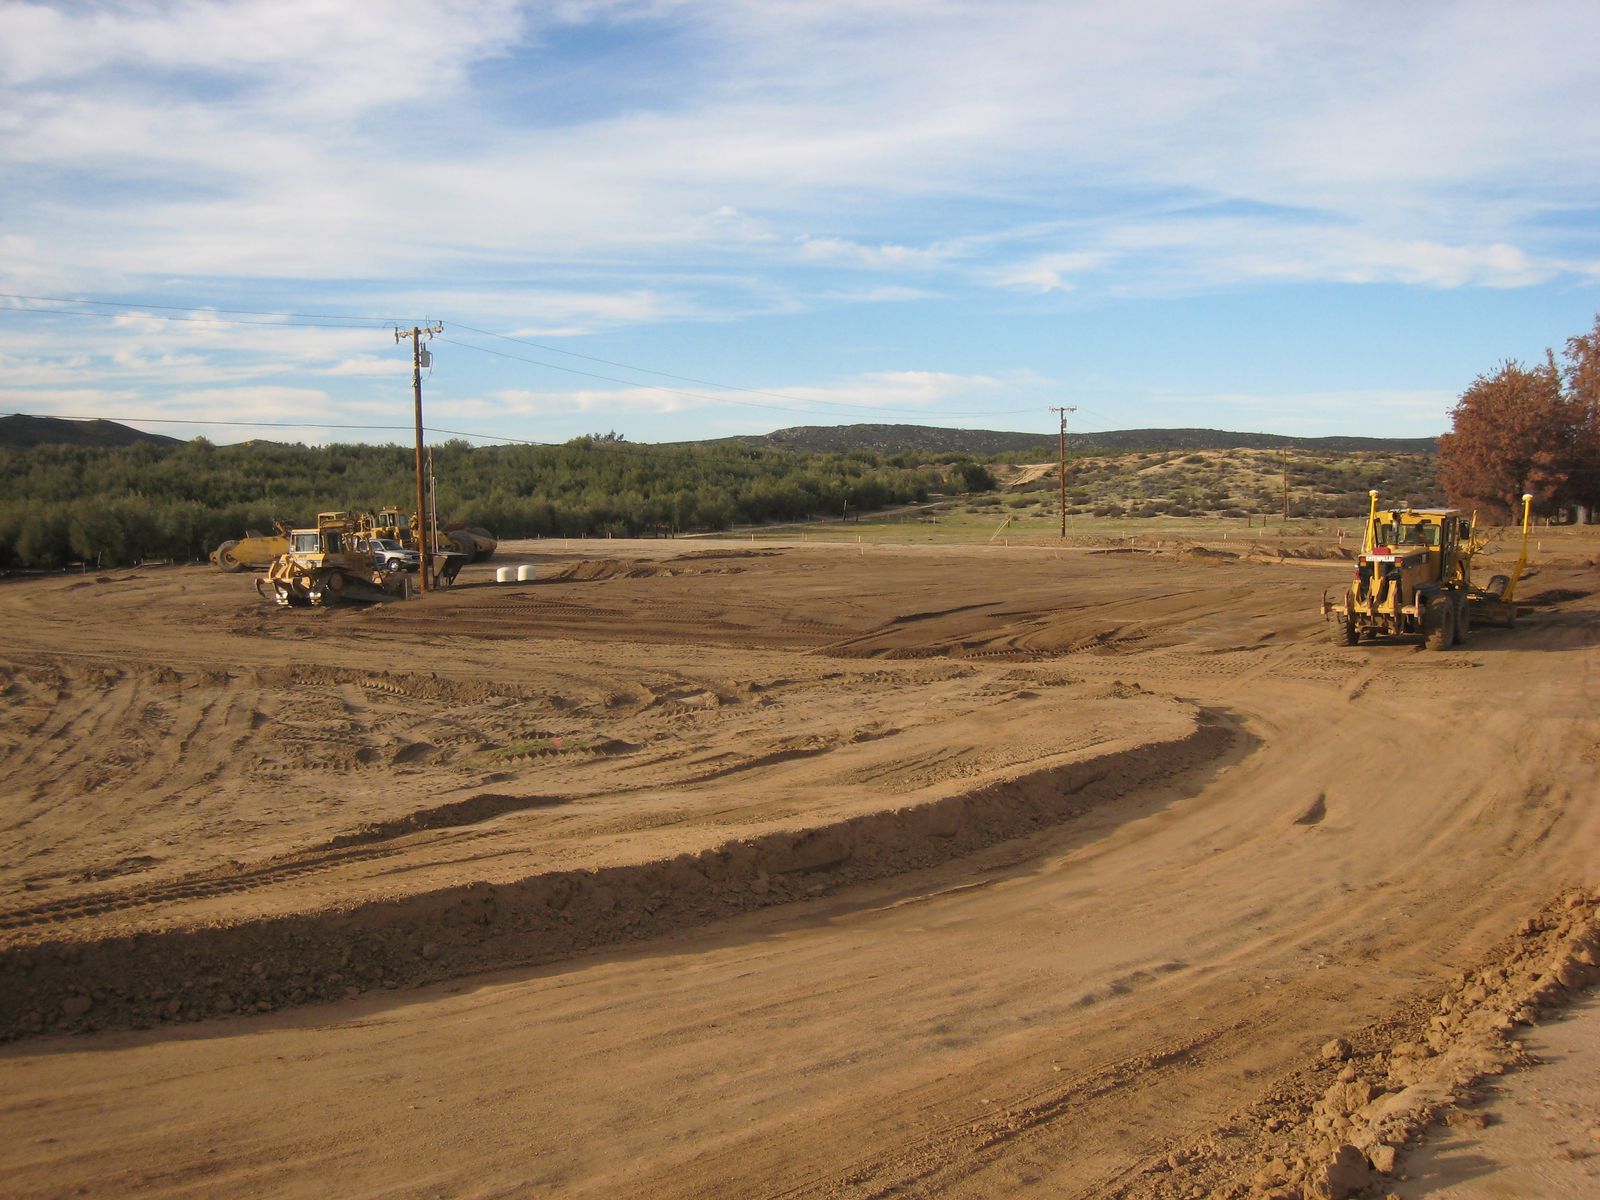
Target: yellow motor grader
[[325, 566], [1413, 577]]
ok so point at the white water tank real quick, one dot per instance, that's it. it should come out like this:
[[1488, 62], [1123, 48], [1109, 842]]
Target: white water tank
[[524, 573], [503, 574]]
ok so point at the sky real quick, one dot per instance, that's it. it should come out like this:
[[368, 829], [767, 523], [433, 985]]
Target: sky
[[677, 219]]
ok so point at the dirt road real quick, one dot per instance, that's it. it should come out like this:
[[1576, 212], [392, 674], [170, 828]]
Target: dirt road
[[747, 871]]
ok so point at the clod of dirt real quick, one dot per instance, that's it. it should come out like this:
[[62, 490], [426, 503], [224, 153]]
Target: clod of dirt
[[1336, 1050], [413, 752]]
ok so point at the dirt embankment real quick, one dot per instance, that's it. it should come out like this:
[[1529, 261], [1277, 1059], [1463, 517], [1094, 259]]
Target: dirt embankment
[[179, 975], [1342, 1126]]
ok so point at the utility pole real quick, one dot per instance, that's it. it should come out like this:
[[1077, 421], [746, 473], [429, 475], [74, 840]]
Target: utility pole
[[1061, 462], [1285, 454], [415, 333]]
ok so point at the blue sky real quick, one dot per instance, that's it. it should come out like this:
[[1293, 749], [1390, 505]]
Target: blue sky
[[1309, 218]]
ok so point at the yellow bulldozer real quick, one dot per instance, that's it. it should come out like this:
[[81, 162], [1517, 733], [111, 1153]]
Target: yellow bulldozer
[[327, 565], [1413, 577]]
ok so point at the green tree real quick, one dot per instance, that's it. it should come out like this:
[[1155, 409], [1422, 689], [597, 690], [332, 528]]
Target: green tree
[[967, 477]]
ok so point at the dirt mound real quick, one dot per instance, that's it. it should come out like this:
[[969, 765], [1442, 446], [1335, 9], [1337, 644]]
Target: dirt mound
[[705, 555], [1308, 552], [597, 570], [261, 965], [699, 562], [1554, 596], [1340, 1126]]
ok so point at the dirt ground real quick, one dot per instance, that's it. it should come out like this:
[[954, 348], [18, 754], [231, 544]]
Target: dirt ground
[[744, 869]]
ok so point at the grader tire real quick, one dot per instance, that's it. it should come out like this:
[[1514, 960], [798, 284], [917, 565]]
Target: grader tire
[[1463, 622], [1438, 624], [1345, 632]]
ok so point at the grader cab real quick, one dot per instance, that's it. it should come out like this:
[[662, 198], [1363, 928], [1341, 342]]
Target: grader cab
[[1414, 578], [327, 565]]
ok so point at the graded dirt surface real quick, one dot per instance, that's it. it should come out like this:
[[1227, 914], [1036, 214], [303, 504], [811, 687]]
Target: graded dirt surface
[[726, 869]]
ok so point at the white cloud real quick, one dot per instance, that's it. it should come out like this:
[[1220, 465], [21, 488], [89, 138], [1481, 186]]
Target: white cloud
[[874, 396], [888, 255], [1049, 272], [366, 364]]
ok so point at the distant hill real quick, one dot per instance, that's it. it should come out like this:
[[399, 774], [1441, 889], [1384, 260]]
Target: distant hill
[[926, 439], [22, 432]]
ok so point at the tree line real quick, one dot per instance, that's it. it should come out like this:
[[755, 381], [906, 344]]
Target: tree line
[[1528, 430], [61, 504]]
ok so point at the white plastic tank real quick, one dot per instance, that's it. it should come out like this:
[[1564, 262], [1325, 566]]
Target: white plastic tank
[[524, 573], [504, 574]]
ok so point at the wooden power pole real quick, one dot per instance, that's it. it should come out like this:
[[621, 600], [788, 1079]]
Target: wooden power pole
[[1285, 453], [416, 333], [1061, 462]]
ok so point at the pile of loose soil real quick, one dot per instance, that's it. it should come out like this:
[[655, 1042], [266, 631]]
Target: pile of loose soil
[[1341, 1126]]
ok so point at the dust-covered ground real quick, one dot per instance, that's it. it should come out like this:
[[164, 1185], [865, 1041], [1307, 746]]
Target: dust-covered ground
[[726, 869]]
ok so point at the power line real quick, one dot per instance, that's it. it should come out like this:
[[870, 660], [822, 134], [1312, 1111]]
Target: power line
[[314, 321], [809, 412], [626, 382], [732, 387]]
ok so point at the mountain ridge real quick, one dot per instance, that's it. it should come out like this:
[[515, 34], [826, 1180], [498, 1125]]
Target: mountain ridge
[[895, 439], [20, 431]]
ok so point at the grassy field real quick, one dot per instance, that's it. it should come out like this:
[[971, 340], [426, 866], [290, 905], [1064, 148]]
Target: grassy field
[[1212, 497]]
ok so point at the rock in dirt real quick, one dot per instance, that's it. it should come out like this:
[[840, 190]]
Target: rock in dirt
[[1346, 1173], [1336, 1050]]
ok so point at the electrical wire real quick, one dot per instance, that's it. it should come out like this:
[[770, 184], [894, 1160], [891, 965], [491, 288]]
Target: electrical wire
[[809, 412], [319, 322], [313, 321], [732, 387]]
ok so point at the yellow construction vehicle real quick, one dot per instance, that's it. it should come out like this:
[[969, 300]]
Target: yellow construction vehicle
[[471, 540], [252, 550], [1497, 603], [1413, 577], [325, 565]]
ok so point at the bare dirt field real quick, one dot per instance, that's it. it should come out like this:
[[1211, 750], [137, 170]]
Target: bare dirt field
[[756, 869]]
